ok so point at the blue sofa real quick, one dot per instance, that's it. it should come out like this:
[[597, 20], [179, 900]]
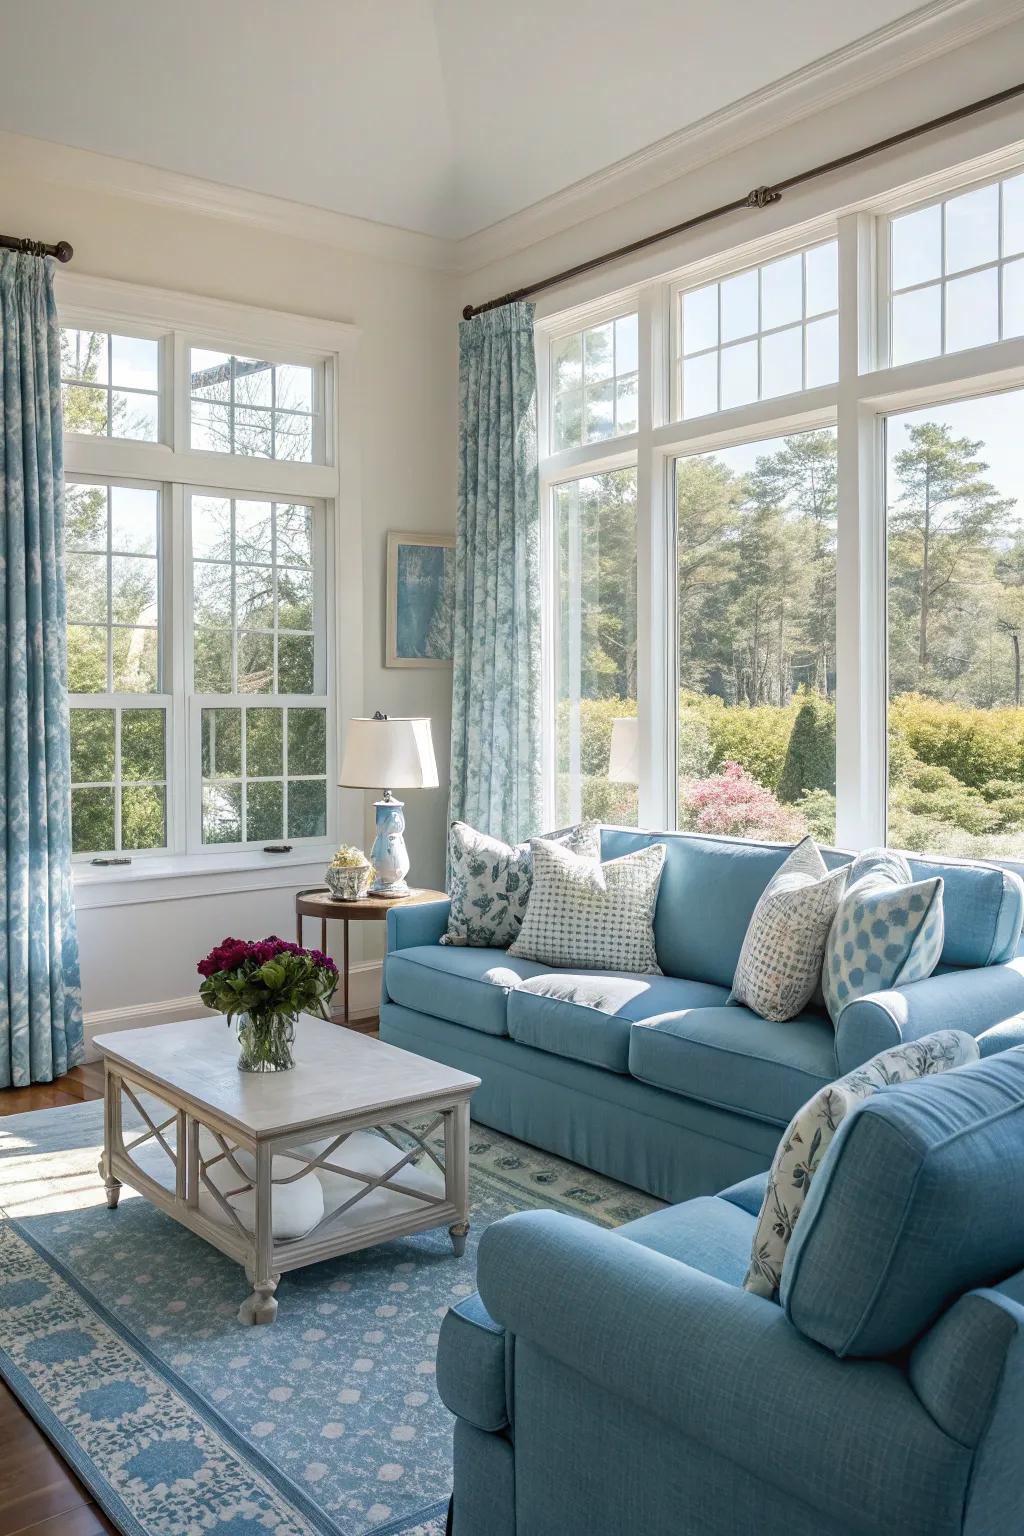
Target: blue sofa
[[606, 1383], [652, 1079]]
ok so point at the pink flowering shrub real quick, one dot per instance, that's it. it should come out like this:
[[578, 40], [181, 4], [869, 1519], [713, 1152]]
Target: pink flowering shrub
[[732, 803]]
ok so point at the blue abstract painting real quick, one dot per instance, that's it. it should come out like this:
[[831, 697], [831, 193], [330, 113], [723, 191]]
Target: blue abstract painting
[[421, 592]]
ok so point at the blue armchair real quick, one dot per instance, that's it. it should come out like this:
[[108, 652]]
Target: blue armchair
[[615, 1382]]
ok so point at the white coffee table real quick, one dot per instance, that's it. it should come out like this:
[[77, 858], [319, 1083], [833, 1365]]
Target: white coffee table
[[209, 1161]]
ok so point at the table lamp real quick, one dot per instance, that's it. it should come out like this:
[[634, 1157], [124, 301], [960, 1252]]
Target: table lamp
[[624, 757], [397, 753]]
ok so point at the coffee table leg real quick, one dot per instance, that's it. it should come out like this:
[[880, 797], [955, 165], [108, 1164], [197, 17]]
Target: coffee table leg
[[456, 1172], [261, 1306], [111, 1135]]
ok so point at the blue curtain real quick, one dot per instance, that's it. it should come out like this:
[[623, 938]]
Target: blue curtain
[[40, 995], [496, 686]]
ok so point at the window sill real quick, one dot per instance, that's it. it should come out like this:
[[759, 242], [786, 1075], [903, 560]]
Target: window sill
[[176, 877]]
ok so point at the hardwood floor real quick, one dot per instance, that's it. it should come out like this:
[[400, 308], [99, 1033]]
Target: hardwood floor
[[39, 1493]]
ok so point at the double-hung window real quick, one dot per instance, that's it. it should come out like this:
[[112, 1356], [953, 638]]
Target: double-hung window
[[200, 501], [785, 579]]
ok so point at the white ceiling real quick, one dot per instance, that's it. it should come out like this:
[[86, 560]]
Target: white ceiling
[[441, 116]]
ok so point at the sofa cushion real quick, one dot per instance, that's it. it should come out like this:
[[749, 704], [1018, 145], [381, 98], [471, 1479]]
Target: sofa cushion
[[709, 1234], [748, 1194], [465, 986], [918, 1201], [710, 887], [731, 1058], [587, 1016]]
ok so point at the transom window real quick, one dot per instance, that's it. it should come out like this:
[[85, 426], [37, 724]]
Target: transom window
[[771, 330], [247, 406], [110, 384], [594, 383], [198, 616], [956, 272]]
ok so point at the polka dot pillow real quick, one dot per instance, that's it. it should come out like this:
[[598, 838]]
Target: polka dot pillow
[[888, 930]]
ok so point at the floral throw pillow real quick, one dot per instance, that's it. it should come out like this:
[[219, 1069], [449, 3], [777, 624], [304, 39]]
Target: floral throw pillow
[[887, 932], [780, 963], [810, 1133], [589, 915], [490, 882]]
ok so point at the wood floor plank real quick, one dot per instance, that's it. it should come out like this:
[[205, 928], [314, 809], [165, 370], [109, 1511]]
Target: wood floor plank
[[87, 1520], [39, 1493]]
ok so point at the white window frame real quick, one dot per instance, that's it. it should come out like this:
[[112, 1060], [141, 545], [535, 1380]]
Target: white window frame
[[884, 273], [865, 393], [179, 321]]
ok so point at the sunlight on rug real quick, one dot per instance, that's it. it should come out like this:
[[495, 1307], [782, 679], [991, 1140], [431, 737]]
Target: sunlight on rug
[[118, 1332]]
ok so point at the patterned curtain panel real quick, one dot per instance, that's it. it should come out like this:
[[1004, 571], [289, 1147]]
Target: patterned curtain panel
[[496, 691], [40, 997]]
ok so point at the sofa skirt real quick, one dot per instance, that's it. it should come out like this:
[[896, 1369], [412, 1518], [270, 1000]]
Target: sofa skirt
[[671, 1146]]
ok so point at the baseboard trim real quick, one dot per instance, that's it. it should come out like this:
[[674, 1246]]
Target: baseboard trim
[[364, 998]]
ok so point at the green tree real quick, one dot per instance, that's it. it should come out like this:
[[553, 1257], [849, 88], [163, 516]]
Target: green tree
[[942, 525]]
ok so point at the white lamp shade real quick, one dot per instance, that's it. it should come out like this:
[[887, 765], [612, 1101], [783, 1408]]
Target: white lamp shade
[[388, 754], [624, 759]]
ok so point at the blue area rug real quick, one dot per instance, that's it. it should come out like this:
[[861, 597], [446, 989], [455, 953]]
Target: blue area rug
[[118, 1332]]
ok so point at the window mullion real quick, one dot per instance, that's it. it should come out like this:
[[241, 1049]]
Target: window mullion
[[860, 597]]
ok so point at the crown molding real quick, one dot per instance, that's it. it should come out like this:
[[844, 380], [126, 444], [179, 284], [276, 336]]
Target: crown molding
[[64, 164], [928, 33]]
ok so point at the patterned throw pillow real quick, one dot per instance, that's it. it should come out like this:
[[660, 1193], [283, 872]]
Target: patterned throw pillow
[[780, 963], [810, 1134], [490, 882], [594, 916], [887, 932]]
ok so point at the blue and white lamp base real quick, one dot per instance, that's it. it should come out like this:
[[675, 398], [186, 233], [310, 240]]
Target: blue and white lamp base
[[389, 856]]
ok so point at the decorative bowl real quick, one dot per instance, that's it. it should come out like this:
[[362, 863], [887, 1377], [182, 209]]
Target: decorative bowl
[[348, 882]]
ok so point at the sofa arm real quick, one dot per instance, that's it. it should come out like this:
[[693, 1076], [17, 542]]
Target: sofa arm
[[972, 1000], [720, 1365], [472, 1366], [422, 924]]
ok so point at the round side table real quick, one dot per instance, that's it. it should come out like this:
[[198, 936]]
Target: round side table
[[318, 902]]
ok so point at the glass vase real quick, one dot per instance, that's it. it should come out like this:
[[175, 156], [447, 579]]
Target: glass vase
[[265, 1042]]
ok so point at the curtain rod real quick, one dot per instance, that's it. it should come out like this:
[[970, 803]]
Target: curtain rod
[[62, 250], [760, 197]]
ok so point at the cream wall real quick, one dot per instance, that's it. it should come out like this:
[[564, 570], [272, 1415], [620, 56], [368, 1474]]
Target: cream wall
[[140, 956]]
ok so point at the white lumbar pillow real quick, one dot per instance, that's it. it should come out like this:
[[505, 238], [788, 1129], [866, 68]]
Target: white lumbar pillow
[[811, 1131], [780, 963], [370, 1153]]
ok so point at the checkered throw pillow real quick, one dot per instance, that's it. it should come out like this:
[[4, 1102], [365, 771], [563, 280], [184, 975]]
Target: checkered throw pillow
[[780, 963], [589, 915]]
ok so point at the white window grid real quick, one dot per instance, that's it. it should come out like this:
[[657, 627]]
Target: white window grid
[[613, 380], [246, 703], [173, 466], [868, 390], [757, 336], [945, 276], [277, 631], [109, 388], [316, 416], [117, 704]]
